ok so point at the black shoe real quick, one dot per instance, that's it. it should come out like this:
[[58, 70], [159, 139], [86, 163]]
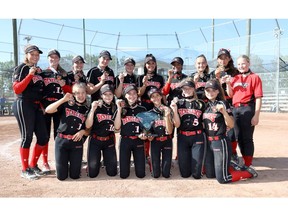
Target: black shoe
[[29, 174], [236, 166], [252, 171], [37, 171], [235, 158]]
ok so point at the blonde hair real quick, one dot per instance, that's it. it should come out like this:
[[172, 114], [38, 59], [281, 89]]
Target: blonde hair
[[244, 57]]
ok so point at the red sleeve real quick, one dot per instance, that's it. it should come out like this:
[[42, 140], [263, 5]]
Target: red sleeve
[[19, 87], [166, 89], [67, 88]]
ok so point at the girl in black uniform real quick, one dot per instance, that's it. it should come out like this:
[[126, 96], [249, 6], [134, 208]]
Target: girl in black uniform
[[217, 119], [69, 141], [162, 143], [28, 87], [187, 118], [102, 137], [132, 140], [77, 74]]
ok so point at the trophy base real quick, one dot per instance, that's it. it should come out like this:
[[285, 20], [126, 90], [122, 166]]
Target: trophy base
[[152, 135]]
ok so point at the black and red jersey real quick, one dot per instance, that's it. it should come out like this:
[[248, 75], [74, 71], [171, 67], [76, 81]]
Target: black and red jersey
[[214, 122], [72, 118], [190, 113], [94, 77], [159, 125], [155, 81], [81, 75], [103, 123], [200, 85], [174, 90]]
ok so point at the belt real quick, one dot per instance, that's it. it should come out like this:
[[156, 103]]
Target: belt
[[131, 137], [215, 138], [190, 133], [64, 136], [163, 138], [102, 138], [51, 99], [241, 104]]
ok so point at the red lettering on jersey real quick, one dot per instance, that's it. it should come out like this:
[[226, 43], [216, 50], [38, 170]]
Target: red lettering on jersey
[[111, 78], [129, 119], [210, 116], [102, 117], [195, 112], [152, 83], [125, 85], [36, 78], [243, 85], [70, 112], [48, 80], [159, 122], [200, 84]]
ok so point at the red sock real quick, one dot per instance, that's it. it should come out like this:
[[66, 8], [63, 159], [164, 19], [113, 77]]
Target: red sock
[[238, 175], [147, 147], [234, 147], [24, 154], [45, 154], [36, 154], [247, 160]]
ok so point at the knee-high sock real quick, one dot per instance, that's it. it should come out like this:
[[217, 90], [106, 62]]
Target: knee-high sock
[[238, 175], [234, 147], [24, 154], [247, 160], [36, 154], [45, 154], [147, 147]]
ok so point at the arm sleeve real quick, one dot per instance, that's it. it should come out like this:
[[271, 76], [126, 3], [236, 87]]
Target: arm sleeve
[[166, 89], [19, 87]]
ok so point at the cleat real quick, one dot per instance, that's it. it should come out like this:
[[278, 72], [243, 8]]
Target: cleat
[[46, 169], [235, 158], [29, 174], [252, 171], [37, 171], [235, 165]]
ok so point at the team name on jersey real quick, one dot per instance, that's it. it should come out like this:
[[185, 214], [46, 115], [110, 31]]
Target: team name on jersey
[[70, 112], [200, 84], [110, 78], [152, 83], [47, 81], [243, 85], [210, 116], [36, 78], [129, 119], [195, 112], [103, 117], [159, 122]]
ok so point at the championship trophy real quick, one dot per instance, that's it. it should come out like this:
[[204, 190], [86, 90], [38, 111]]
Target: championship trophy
[[146, 121]]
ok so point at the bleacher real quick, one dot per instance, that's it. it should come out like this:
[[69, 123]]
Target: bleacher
[[269, 103]]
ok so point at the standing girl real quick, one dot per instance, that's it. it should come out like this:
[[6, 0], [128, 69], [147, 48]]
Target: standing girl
[[188, 113], [69, 141], [217, 118], [132, 140], [28, 87], [102, 137]]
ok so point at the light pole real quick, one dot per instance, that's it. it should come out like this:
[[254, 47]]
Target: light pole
[[27, 38]]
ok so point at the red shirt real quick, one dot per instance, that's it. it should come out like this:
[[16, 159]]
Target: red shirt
[[246, 89]]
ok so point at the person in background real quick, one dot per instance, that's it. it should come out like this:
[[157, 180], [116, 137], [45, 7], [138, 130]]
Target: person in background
[[69, 142], [100, 75], [56, 84], [225, 66], [187, 118], [131, 136], [126, 78], [102, 137], [161, 145], [201, 76], [217, 118], [246, 92], [28, 86]]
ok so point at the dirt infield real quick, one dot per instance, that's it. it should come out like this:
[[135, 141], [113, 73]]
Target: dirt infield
[[271, 162]]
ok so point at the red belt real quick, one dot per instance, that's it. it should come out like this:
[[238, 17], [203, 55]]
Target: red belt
[[241, 104], [163, 138], [64, 136], [190, 133], [51, 99], [215, 138], [131, 137], [102, 138]]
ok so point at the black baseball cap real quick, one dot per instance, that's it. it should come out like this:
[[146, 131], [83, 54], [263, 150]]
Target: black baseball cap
[[54, 51], [149, 57], [214, 84], [187, 83], [77, 58], [129, 60], [129, 88], [152, 91], [31, 48], [224, 52], [177, 59], [106, 88], [105, 53]]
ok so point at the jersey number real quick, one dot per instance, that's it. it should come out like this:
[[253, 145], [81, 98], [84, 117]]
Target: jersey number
[[213, 126]]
